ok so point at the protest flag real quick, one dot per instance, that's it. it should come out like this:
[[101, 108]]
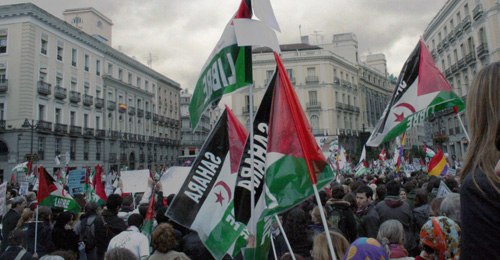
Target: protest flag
[[420, 91], [438, 165], [288, 161], [382, 156], [98, 194], [227, 69], [22, 168], [209, 191], [147, 227], [52, 194], [429, 152], [400, 157], [362, 167]]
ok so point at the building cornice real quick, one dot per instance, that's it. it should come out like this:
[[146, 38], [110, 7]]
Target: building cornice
[[438, 20], [308, 58], [28, 9]]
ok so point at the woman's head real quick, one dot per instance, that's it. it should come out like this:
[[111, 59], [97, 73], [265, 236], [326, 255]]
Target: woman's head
[[441, 235], [44, 214], [390, 232], [483, 104], [316, 214], [420, 197], [321, 251], [366, 248], [163, 238], [25, 217]]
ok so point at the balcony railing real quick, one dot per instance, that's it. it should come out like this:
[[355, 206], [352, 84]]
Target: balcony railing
[[458, 29], [336, 80], [451, 35], [100, 133], [246, 109], [445, 42], [339, 105], [75, 130], [466, 23], [477, 12], [88, 132], [313, 105], [75, 96], [88, 100], [156, 117], [114, 134], [454, 68], [140, 112], [440, 47], [4, 83], [60, 92], [148, 115], [99, 102], [131, 111], [60, 129], [482, 50], [111, 105], [44, 126], [44, 88], [469, 58], [461, 63], [312, 79], [447, 72], [112, 157]]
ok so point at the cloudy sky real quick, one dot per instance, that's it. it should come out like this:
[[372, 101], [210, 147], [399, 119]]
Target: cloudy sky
[[180, 34]]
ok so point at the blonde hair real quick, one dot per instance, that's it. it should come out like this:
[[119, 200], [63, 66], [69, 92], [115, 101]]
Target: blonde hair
[[25, 217], [320, 246], [483, 106], [316, 214]]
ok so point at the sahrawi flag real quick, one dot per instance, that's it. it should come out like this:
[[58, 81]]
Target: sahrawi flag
[[288, 160], [205, 200], [228, 68], [52, 194], [362, 167], [95, 189], [421, 90], [22, 168]]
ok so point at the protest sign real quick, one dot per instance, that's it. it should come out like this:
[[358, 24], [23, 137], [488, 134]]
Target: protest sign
[[452, 172], [23, 188], [3, 195], [443, 190], [135, 181], [173, 179], [76, 182]]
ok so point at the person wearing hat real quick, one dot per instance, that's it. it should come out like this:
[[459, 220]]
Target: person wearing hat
[[9, 221]]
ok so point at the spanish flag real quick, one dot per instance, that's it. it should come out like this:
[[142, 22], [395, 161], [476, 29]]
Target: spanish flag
[[438, 165], [123, 106]]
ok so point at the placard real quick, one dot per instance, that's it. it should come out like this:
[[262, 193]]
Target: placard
[[76, 181], [173, 179], [134, 181], [23, 188]]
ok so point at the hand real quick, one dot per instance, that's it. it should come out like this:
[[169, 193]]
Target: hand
[[251, 241], [35, 255], [67, 227], [159, 186]]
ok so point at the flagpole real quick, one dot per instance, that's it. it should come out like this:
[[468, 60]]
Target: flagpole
[[284, 235], [252, 228], [463, 127], [36, 228], [274, 248], [325, 225]]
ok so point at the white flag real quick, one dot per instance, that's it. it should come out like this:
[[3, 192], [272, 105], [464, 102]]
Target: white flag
[[57, 160]]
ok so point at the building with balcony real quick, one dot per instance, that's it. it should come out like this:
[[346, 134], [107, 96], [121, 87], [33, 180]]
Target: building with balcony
[[463, 37], [192, 141], [341, 95], [64, 87]]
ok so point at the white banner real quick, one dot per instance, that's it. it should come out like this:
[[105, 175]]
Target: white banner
[[173, 179], [135, 181]]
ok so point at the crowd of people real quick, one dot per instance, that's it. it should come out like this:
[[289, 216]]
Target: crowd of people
[[380, 216]]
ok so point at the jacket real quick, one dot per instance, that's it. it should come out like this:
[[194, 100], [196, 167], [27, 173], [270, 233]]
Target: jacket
[[9, 223], [44, 244], [399, 210], [342, 218], [479, 211], [368, 223], [103, 234]]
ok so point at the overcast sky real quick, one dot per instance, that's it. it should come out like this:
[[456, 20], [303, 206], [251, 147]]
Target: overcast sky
[[180, 34]]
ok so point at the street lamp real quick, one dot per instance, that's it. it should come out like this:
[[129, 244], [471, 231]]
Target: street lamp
[[27, 124]]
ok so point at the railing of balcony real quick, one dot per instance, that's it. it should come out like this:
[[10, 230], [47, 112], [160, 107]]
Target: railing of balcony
[[88, 132], [60, 92], [74, 96], [477, 12], [111, 105], [313, 105], [312, 79], [140, 112], [100, 133], [44, 88], [482, 49], [60, 129], [44, 126], [88, 100], [99, 102], [4, 83], [75, 130]]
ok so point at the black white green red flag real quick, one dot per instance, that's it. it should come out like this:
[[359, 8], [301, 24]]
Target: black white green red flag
[[52, 194], [420, 91], [288, 160], [228, 68], [205, 200]]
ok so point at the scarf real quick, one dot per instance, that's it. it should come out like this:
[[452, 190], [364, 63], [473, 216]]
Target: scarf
[[397, 251], [442, 235]]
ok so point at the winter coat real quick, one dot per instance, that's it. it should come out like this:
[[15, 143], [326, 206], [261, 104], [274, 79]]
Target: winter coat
[[12, 252], [342, 218], [194, 248], [44, 244], [368, 223], [65, 239], [399, 210], [9, 223], [479, 211], [104, 234]]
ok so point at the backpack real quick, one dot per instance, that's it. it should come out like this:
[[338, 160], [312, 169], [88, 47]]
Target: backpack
[[87, 234]]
